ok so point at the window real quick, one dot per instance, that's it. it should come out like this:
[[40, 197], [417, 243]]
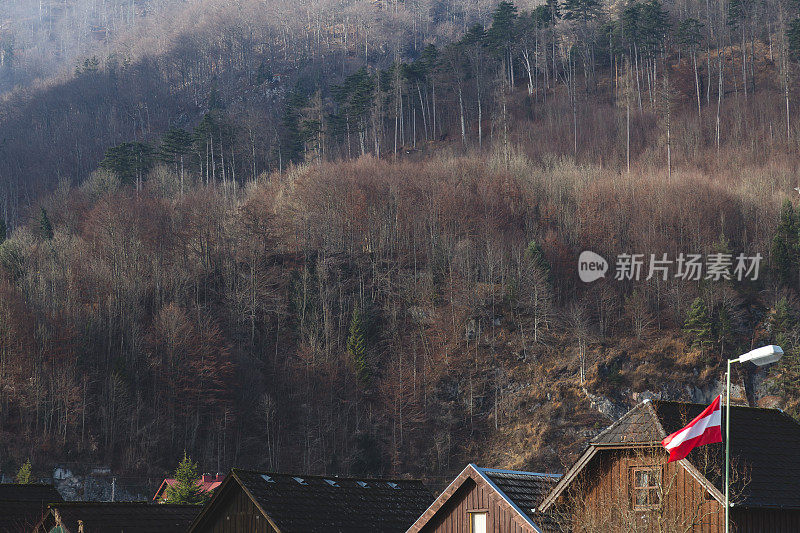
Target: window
[[477, 522], [646, 482]]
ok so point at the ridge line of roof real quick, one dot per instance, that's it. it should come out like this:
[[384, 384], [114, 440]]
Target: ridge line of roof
[[522, 472], [330, 476], [733, 406]]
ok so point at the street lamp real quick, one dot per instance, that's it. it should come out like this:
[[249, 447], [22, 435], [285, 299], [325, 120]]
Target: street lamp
[[760, 357]]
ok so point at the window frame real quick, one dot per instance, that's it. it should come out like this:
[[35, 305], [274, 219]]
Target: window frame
[[653, 488], [471, 517]]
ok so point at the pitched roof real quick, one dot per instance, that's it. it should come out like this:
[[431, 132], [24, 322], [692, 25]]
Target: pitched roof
[[296, 503], [31, 492], [21, 506], [20, 516], [206, 483], [113, 517], [525, 490], [521, 491], [765, 447]]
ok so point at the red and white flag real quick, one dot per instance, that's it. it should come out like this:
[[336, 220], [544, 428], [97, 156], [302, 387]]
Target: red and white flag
[[706, 428]]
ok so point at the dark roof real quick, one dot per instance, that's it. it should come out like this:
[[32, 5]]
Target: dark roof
[[635, 426], [329, 504], [135, 517], [32, 492], [21, 506], [765, 447], [524, 490], [20, 516]]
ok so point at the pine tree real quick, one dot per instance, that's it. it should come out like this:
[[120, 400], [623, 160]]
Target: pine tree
[[782, 326], [535, 255], [357, 347], [24, 474], [784, 246], [45, 227], [186, 490], [793, 38], [3, 231], [291, 135], [698, 325], [130, 161], [501, 33]]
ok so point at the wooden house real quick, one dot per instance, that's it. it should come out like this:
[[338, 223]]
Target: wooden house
[[622, 481], [116, 517], [207, 483], [261, 502], [483, 500], [22, 506]]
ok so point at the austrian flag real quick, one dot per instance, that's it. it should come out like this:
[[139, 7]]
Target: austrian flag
[[706, 428]]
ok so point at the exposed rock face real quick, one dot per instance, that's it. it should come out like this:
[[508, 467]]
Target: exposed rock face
[[99, 487]]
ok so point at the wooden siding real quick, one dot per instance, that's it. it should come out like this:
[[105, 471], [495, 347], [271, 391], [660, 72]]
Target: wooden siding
[[605, 497], [453, 516], [235, 514]]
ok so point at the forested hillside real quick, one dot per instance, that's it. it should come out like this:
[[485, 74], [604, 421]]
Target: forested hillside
[[344, 238]]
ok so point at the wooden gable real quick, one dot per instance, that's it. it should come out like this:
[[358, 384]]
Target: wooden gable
[[623, 482], [233, 511], [470, 492]]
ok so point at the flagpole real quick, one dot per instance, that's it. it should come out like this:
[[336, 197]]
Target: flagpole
[[728, 447]]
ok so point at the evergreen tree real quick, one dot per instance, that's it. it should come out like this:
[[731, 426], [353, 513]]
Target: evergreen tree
[[186, 490], [130, 161], [698, 325], [291, 135], [45, 227], [501, 33], [175, 144], [3, 230], [784, 246], [689, 33], [357, 347], [582, 10], [784, 332], [24, 475], [535, 255], [782, 325], [354, 100], [653, 25], [793, 38]]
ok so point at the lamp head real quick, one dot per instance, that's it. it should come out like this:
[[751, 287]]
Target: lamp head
[[763, 356]]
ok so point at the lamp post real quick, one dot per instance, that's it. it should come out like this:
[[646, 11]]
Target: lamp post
[[760, 357]]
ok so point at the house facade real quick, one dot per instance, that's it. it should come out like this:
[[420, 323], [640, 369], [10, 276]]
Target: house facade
[[483, 500], [623, 482]]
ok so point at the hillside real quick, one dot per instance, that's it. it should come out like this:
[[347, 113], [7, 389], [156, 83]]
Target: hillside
[[271, 251]]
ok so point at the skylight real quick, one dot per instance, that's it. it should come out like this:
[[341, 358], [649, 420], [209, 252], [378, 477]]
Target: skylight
[[267, 478], [393, 485], [331, 482], [363, 484], [300, 480]]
